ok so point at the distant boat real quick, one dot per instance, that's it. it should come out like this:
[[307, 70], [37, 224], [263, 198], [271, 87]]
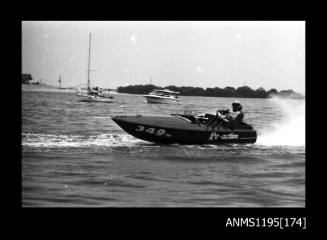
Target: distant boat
[[162, 96], [59, 81], [95, 94]]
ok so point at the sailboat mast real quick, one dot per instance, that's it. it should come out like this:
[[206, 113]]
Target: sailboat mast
[[88, 68], [59, 81]]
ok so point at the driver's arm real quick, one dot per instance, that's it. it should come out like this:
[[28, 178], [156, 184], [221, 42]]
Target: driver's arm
[[221, 116]]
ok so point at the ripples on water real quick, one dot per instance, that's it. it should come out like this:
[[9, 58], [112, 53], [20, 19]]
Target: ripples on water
[[75, 155]]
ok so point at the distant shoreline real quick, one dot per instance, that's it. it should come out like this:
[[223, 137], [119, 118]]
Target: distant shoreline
[[145, 89], [44, 88], [49, 88], [240, 92]]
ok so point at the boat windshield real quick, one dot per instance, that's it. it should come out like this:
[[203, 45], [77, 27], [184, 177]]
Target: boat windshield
[[165, 93]]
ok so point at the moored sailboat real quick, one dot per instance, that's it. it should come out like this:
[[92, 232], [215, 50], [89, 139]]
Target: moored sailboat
[[95, 94]]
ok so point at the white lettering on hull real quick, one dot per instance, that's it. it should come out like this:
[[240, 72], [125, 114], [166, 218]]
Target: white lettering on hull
[[216, 136], [153, 131]]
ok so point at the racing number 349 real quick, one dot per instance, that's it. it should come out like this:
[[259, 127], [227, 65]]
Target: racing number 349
[[157, 132]]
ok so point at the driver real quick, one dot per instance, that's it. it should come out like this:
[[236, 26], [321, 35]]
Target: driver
[[236, 116]]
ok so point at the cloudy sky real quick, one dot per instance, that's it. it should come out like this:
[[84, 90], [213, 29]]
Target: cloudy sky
[[195, 53]]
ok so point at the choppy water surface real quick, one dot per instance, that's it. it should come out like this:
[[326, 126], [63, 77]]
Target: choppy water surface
[[73, 154]]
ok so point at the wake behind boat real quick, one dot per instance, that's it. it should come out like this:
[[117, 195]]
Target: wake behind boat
[[185, 129], [162, 96]]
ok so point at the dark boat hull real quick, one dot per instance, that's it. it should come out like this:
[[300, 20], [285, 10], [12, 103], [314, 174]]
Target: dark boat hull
[[171, 129]]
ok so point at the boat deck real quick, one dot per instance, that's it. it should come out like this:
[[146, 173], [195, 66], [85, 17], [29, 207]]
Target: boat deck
[[169, 122]]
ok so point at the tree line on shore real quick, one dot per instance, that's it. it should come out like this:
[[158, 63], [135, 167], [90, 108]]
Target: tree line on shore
[[242, 92]]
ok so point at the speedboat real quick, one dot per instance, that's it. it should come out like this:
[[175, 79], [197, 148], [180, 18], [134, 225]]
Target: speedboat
[[186, 129], [162, 96]]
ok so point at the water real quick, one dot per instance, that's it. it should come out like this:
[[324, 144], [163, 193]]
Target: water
[[73, 154]]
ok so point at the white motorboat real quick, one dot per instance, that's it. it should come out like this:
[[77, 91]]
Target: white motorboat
[[162, 96]]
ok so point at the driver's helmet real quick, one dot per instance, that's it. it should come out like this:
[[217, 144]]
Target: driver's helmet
[[236, 104]]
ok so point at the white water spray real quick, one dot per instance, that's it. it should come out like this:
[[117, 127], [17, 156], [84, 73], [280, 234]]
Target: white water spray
[[290, 131], [54, 141]]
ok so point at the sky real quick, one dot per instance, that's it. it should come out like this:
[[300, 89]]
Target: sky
[[268, 54]]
